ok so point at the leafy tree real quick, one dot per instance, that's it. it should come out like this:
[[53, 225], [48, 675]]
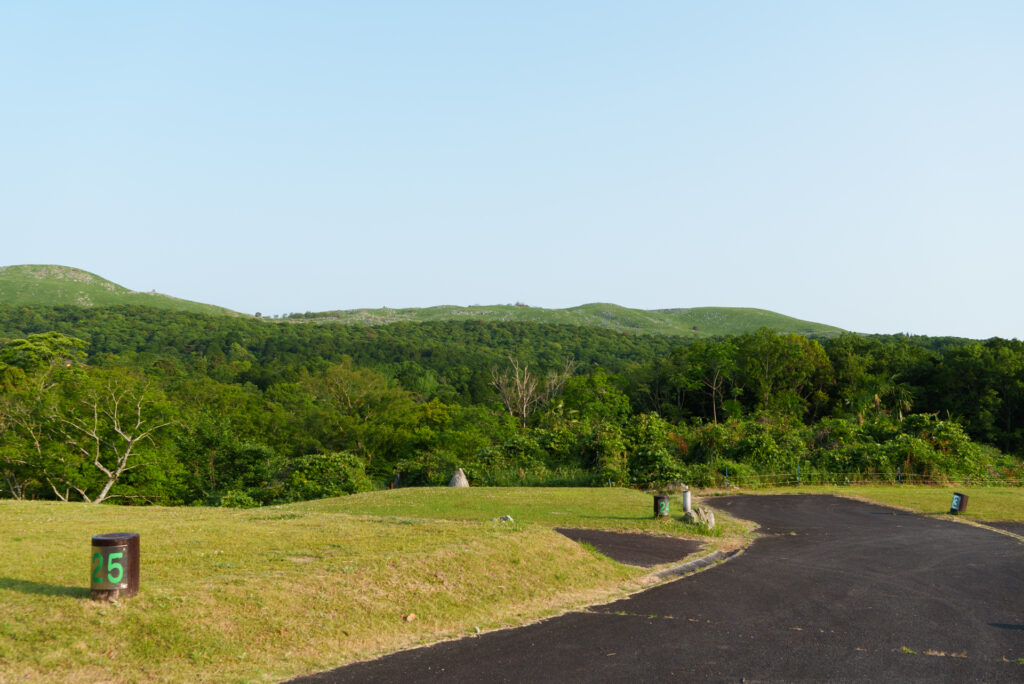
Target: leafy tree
[[106, 422], [216, 460], [362, 411], [43, 350], [651, 461], [983, 383], [784, 373], [597, 396], [712, 366], [32, 370]]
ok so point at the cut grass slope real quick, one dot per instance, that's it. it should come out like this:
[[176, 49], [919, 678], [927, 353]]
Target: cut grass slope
[[696, 322], [50, 285], [266, 594]]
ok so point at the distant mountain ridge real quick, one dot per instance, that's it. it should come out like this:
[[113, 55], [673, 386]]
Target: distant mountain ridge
[[52, 285], [695, 322]]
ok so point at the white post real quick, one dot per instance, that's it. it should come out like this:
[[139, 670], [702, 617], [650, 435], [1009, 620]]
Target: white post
[[686, 500]]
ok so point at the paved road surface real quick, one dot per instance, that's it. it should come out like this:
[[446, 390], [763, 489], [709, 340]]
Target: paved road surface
[[630, 548], [835, 590], [1015, 527]]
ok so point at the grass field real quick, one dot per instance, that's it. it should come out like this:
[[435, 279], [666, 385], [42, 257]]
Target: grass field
[[620, 509], [266, 594]]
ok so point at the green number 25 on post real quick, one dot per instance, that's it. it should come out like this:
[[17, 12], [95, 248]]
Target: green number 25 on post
[[114, 569]]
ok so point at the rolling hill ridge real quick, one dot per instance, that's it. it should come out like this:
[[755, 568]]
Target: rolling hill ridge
[[52, 285], [691, 322]]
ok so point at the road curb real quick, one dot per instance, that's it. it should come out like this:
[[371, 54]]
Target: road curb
[[697, 564], [997, 530]]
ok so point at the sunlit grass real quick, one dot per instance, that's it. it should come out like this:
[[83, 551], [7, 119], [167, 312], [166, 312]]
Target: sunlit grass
[[266, 594], [597, 507]]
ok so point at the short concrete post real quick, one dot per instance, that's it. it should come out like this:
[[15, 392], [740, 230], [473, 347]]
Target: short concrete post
[[687, 505]]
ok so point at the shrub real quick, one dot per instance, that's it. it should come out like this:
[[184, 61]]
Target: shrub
[[317, 476], [237, 499], [650, 461]]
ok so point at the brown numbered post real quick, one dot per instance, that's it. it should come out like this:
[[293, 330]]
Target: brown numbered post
[[660, 506], [114, 566]]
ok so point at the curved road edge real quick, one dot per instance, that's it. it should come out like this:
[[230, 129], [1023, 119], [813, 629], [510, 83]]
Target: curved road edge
[[690, 567]]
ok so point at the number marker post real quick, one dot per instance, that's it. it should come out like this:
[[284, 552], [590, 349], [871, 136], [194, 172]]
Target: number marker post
[[660, 506], [114, 566]]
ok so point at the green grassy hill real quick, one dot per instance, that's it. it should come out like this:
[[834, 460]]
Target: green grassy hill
[[696, 322], [48, 285]]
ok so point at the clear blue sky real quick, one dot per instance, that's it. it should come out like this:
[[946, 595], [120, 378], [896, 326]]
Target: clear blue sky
[[855, 163]]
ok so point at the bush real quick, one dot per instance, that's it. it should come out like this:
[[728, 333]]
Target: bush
[[237, 499], [537, 476], [611, 462], [715, 474], [318, 476], [759, 450], [651, 463]]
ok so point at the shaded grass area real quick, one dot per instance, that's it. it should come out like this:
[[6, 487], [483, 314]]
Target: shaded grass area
[[985, 504], [266, 594]]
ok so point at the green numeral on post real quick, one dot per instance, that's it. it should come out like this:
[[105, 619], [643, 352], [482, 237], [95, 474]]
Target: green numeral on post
[[97, 567], [111, 566]]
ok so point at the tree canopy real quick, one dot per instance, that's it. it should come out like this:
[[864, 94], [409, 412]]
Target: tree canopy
[[140, 405]]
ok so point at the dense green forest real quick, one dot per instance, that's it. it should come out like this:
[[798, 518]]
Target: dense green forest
[[143, 405]]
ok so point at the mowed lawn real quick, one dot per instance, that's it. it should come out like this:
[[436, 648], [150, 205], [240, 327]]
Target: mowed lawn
[[269, 593], [617, 509]]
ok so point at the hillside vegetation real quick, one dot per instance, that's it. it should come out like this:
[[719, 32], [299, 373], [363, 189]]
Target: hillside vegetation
[[144, 405], [238, 411], [695, 323], [50, 285]]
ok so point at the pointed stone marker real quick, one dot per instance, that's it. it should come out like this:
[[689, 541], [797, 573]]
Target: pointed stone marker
[[459, 479]]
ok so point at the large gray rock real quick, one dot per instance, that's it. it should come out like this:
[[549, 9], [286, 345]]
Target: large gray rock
[[459, 479], [701, 515]]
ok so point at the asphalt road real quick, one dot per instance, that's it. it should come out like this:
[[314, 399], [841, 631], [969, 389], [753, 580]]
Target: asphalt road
[[1015, 527], [835, 590], [630, 548]]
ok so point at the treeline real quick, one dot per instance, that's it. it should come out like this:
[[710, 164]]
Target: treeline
[[450, 361], [140, 405]]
